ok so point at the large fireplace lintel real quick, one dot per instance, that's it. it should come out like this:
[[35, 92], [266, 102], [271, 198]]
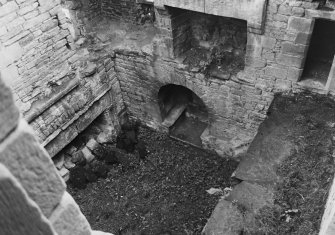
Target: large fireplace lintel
[[253, 11]]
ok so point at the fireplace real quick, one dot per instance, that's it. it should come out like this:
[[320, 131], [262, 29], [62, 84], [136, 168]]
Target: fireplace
[[214, 45]]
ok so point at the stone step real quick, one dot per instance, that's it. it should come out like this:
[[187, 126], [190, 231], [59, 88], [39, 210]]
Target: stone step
[[251, 196], [226, 219], [174, 114]]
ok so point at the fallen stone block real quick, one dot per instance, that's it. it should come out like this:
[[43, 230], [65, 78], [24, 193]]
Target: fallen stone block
[[92, 144], [87, 154]]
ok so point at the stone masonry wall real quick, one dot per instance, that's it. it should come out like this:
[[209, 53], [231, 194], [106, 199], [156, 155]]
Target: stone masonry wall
[[58, 85], [31, 191], [120, 9], [235, 108], [274, 63]]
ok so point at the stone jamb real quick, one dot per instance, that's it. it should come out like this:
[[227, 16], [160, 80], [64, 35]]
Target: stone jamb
[[327, 15]]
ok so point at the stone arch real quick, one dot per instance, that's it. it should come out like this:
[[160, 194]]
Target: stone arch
[[183, 113]]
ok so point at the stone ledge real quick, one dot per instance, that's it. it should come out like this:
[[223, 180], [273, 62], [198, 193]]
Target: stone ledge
[[29, 163], [41, 105], [81, 120], [330, 15], [76, 117], [19, 214]]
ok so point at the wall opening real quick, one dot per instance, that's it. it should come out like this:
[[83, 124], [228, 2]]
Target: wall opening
[[183, 112], [320, 53], [211, 44]]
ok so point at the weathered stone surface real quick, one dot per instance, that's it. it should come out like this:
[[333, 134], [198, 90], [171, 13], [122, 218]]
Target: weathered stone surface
[[59, 161], [30, 163], [251, 195], [18, 213], [87, 154], [67, 218], [10, 75], [290, 60], [8, 7], [10, 54], [100, 233], [92, 144], [226, 219], [9, 114], [328, 218], [249, 10], [294, 49], [299, 24]]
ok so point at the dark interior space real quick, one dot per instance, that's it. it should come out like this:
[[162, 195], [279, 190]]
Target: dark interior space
[[321, 52], [210, 44], [183, 112]]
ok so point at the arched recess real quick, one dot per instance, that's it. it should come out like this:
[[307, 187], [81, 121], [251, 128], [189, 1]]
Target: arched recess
[[183, 113]]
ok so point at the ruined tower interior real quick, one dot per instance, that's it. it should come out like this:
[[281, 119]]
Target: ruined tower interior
[[158, 117]]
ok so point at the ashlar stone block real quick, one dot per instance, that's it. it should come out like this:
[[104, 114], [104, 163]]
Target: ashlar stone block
[[67, 219], [22, 154], [9, 114], [300, 25], [18, 213]]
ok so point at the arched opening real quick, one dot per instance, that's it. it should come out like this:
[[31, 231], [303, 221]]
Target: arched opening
[[183, 113]]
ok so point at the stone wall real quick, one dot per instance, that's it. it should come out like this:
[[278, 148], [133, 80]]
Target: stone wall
[[33, 196], [120, 9], [235, 108], [274, 63], [58, 85]]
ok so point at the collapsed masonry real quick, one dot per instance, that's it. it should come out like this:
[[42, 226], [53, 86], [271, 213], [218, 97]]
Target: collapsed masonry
[[68, 62]]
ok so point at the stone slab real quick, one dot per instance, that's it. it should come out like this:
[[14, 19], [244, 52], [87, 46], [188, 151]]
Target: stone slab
[[22, 154], [226, 219], [251, 196], [67, 218], [268, 149], [18, 213]]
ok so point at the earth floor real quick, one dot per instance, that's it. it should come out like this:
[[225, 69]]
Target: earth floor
[[165, 194], [297, 142]]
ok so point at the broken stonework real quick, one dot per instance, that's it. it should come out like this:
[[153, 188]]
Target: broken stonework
[[22, 154], [67, 219], [19, 214]]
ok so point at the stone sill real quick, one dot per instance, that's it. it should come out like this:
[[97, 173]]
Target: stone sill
[[311, 14], [317, 88]]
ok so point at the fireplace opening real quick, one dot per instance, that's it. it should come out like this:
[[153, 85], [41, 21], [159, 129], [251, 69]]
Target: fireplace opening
[[214, 45], [183, 113], [320, 53]]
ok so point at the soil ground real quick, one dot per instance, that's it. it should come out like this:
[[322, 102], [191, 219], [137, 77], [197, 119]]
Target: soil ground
[[305, 176], [165, 193]]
